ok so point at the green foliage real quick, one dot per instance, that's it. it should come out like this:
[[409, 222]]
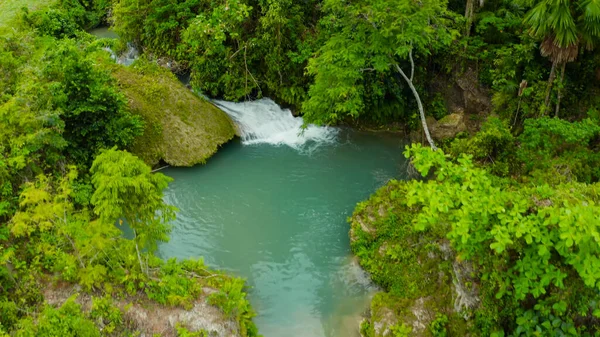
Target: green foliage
[[231, 298], [93, 111], [235, 50], [287, 36], [53, 22], [59, 107], [66, 18], [490, 146], [438, 326], [51, 236], [566, 23], [174, 287], [437, 107], [553, 147], [548, 150], [369, 36], [219, 69], [127, 191], [68, 321], [184, 332], [104, 311], [531, 244]]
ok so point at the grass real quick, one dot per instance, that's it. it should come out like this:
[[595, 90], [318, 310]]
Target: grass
[[10, 8]]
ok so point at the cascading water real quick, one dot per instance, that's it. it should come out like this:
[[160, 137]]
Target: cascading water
[[277, 217], [264, 122], [127, 57]]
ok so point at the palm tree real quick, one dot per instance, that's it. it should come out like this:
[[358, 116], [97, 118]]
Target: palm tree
[[563, 26]]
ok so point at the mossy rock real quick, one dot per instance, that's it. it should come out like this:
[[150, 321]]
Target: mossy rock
[[447, 127], [181, 128], [416, 269]]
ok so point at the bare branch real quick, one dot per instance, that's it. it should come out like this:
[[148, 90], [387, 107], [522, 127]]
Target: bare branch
[[420, 105], [412, 65]]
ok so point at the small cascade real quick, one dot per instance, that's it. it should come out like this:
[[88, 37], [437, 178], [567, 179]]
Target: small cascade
[[127, 57], [264, 122]]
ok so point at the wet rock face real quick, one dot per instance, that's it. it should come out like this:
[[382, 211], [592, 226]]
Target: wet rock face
[[462, 91], [476, 99]]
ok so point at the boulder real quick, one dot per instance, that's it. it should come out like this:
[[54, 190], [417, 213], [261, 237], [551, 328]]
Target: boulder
[[181, 128], [447, 127]]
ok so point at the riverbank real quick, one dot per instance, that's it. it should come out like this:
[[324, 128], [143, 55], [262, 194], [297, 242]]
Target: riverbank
[[64, 269], [417, 270]]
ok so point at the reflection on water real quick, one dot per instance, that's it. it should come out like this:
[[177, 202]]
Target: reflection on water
[[277, 217]]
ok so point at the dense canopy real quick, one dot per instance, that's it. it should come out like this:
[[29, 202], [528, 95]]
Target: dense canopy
[[503, 205]]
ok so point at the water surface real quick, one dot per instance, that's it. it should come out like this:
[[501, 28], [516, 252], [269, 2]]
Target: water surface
[[103, 32], [276, 215]]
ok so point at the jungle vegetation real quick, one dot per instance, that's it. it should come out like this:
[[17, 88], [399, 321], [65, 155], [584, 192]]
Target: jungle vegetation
[[516, 196]]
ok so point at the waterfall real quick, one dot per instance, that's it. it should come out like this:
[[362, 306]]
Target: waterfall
[[127, 57], [264, 122]]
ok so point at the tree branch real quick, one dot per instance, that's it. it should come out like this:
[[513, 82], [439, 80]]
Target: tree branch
[[412, 65], [420, 105]]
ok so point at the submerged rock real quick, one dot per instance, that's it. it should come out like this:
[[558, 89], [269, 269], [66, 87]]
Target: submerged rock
[[181, 129]]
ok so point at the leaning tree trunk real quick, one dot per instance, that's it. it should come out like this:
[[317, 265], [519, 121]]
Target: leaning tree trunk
[[420, 105], [549, 87], [560, 88]]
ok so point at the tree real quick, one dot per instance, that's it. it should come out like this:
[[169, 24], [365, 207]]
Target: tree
[[219, 52], [81, 249], [563, 26], [127, 191], [93, 111], [371, 36], [128, 18]]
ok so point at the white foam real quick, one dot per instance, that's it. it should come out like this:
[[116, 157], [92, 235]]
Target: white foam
[[127, 57], [264, 122]]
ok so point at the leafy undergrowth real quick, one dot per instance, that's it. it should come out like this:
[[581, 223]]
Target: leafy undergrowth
[[414, 267], [63, 195], [181, 128], [54, 240], [468, 253]]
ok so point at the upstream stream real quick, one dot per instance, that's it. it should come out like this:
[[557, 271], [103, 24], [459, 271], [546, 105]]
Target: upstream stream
[[272, 208]]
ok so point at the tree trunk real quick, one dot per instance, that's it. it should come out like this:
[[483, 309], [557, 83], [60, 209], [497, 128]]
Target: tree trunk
[[420, 105], [562, 79], [469, 10], [549, 87], [517, 114], [137, 250]]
